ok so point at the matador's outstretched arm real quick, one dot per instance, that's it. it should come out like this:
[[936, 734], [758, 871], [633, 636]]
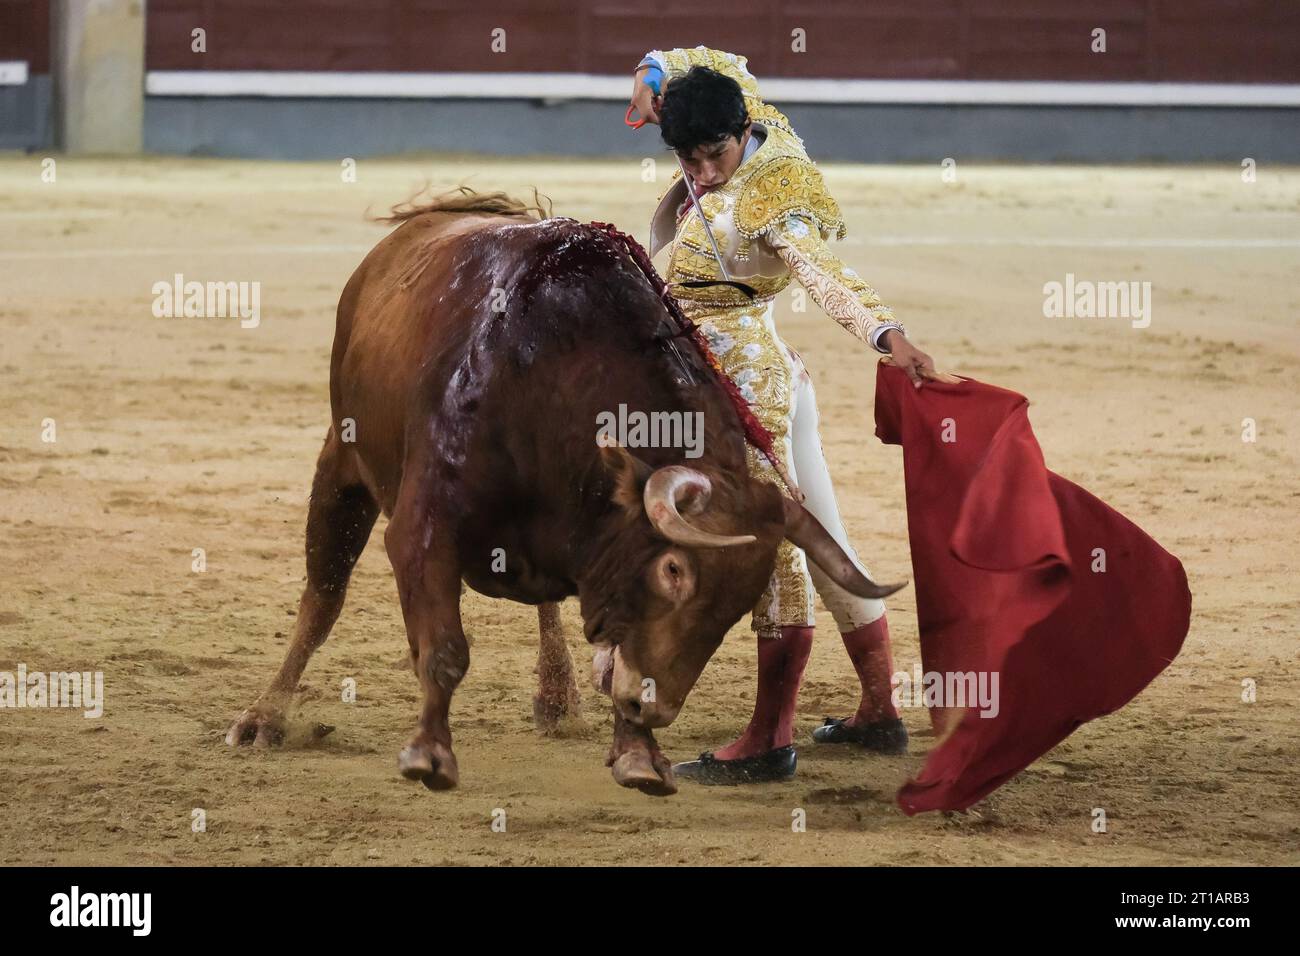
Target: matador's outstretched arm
[[840, 291]]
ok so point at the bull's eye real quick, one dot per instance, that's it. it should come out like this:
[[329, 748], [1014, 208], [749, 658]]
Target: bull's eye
[[672, 578]]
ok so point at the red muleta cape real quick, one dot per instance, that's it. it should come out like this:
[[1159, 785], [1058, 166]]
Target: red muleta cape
[[1003, 558]]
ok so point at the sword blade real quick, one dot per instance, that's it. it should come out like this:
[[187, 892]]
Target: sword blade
[[690, 191]]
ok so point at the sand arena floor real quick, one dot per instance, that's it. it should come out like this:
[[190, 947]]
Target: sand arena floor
[[176, 434]]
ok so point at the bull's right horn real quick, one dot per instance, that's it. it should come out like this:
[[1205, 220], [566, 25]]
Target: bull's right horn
[[673, 484], [806, 532]]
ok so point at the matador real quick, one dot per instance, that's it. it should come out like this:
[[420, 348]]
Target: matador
[[770, 218]]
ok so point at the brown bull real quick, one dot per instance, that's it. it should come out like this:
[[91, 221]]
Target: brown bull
[[475, 348]]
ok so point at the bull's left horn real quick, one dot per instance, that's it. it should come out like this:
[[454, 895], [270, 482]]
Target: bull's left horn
[[806, 532], [671, 485]]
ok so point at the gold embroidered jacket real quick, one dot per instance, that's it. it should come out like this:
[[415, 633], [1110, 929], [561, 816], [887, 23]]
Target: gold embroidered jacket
[[771, 220]]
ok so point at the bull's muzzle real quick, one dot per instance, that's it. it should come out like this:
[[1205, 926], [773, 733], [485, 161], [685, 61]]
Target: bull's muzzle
[[638, 698]]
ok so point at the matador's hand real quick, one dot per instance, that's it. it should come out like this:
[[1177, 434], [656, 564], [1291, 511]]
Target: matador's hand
[[918, 366], [644, 99]]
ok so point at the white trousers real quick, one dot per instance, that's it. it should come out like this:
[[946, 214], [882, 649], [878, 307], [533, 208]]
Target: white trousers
[[814, 480]]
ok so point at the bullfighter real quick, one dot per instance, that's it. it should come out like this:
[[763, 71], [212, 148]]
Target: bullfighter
[[771, 216]]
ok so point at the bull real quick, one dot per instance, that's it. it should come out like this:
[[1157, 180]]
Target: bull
[[475, 347]]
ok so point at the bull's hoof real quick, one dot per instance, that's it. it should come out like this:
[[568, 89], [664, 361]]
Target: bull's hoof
[[638, 770], [434, 765], [262, 725]]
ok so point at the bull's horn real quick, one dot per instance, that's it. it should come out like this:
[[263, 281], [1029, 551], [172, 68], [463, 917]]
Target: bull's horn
[[669, 486], [806, 532]]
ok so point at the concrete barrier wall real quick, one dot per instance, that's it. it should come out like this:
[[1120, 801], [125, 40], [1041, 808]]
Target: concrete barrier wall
[[335, 128], [25, 114], [85, 88]]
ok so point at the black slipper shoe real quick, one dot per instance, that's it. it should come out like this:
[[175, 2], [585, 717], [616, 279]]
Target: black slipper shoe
[[883, 736], [773, 766]]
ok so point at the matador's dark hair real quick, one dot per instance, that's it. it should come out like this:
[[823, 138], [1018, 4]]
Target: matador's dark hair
[[701, 108]]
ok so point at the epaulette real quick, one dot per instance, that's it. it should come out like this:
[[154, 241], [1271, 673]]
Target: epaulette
[[782, 186]]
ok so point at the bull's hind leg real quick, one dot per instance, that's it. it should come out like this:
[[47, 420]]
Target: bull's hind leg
[[428, 577], [339, 519], [557, 692]]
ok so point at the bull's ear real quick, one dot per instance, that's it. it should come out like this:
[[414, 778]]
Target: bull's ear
[[630, 474]]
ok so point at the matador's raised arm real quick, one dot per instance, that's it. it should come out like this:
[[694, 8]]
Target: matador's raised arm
[[675, 63]]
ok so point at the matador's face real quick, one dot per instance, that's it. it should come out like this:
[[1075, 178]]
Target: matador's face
[[712, 165]]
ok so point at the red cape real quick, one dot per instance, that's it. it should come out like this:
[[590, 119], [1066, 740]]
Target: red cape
[[1008, 579]]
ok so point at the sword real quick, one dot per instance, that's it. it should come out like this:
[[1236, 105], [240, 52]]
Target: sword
[[722, 266]]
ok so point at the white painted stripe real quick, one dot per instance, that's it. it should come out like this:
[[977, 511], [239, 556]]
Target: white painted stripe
[[397, 85], [570, 86], [1154, 242], [13, 72], [1031, 93], [143, 253]]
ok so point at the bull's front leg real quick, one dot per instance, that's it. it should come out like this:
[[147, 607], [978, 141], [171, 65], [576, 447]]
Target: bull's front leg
[[634, 758], [636, 761], [428, 577]]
